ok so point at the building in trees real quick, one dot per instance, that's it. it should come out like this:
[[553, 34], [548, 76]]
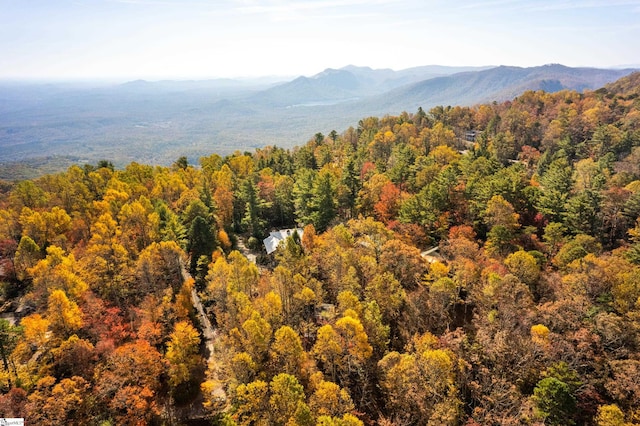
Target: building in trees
[[276, 237]]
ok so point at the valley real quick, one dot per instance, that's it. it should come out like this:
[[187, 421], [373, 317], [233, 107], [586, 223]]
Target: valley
[[157, 122]]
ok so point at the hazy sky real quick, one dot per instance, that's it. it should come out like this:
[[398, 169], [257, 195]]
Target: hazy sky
[[155, 39]]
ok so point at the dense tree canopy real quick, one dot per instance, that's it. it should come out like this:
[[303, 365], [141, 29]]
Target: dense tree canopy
[[438, 280]]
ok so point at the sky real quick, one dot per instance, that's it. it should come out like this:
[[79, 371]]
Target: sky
[[201, 39]]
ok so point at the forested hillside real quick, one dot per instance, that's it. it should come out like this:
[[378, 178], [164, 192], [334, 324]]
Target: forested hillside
[[527, 313]]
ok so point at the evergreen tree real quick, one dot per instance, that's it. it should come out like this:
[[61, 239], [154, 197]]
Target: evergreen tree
[[202, 241], [583, 212], [324, 204], [351, 182], [556, 184], [252, 221], [303, 194]]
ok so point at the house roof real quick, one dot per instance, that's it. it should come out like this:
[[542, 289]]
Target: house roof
[[276, 237]]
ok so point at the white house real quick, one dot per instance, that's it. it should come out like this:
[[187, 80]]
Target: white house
[[276, 237]]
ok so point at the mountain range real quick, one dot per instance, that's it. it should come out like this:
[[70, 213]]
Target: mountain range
[[350, 83], [429, 86], [156, 122]]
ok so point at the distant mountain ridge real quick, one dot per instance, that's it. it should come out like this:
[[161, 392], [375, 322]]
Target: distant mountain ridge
[[349, 82], [381, 91], [330, 85], [157, 122], [495, 84]]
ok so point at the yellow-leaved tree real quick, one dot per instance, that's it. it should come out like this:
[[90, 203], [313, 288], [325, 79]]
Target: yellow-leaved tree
[[182, 353], [419, 385], [64, 314], [57, 271]]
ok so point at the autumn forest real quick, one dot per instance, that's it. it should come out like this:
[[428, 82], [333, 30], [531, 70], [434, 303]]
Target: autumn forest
[[457, 266]]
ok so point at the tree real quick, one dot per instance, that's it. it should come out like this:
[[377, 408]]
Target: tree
[[583, 212], [256, 337], [134, 405], [285, 286], [419, 385], [503, 147], [626, 291], [430, 206], [380, 147], [402, 159], [503, 220], [223, 198], [8, 248], [369, 193], [287, 353], [556, 184], [140, 225], [403, 261], [614, 221], [323, 202], [182, 353], [45, 228], [57, 272], [53, 403], [389, 205], [624, 383], [195, 208], [181, 163], [133, 369], [377, 330], [251, 403], [576, 249], [387, 292], [308, 238], [304, 182], [328, 350], [229, 285], [26, 257], [65, 315], [35, 329], [351, 182], [286, 400], [159, 267], [500, 212], [74, 357], [354, 341], [211, 163], [9, 336], [440, 134], [444, 155], [540, 335], [610, 415], [107, 263], [283, 205], [27, 194], [554, 402], [443, 294], [554, 236], [355, 354], [330, 400], [12, 403], [254, 207], [201, 241], [524, 266]]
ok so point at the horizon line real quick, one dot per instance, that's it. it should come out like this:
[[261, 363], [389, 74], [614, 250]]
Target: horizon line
[[249, 78]]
